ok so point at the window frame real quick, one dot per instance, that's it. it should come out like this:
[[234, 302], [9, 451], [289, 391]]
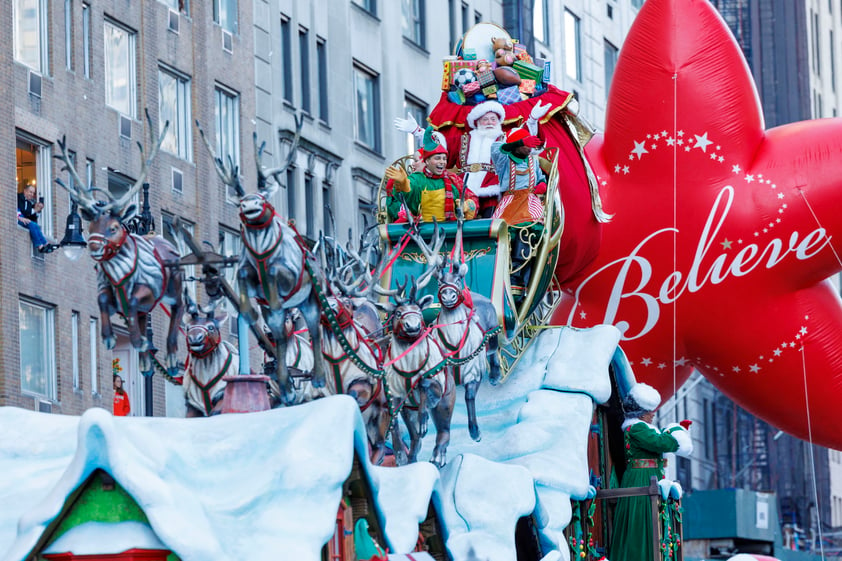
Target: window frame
[[131, 71], [415, 22], [86, 39], [361, 72], [43, 36], [369, 6], [609, 47], [43, 176], [69, 35], [218, 15], [47, 350], [542, 8], [324, 99], [286, 57], [231, 128], [414, 106], [572, 45], [180, 129], [304, 69], [74, 349]]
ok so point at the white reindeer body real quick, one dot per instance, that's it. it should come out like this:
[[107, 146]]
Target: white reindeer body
[[134, 264], [203, 378], [273, 245], [461, 335], [342, 371], [403, 374]]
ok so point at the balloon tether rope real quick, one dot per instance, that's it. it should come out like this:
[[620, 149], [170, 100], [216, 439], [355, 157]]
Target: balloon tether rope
[[812, 457], [816, 218]]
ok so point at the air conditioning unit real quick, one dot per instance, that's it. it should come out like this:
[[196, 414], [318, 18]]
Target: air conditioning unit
[[227, 41], [34, 83], [45, 406], [125, 127], [173, 21], [177, 181]]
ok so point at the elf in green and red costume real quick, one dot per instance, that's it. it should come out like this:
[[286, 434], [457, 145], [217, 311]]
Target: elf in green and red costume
[[434, 191], [645, 447]]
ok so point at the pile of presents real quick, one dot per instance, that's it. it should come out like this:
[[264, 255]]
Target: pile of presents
[[512, 76]]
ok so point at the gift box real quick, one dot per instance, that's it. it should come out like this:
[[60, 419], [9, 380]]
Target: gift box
[[456, 96], [489, 90], [528, 71], [469, 54], [546, 78], [446, 75], [471, 88], [521, 54], [527, 87], [509, 95], [486, 78]]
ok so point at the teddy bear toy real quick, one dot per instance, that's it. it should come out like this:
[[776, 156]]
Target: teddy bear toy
[[504, 56]]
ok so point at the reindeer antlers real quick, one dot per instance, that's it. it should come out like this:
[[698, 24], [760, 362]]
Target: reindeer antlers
[[229, 174], [430, 253], [82, 194], [264, 174]]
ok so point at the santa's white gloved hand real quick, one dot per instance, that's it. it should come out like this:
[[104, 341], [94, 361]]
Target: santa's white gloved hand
[[537, 113], [539, 110], [408, 125]]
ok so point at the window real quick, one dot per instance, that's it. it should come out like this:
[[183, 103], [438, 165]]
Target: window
[[611, 53], [33, 167], [327, 205], [227, 116], [541, 22], [412, 21], [174, 106], [31, 34], [286, 50], [230, 245], [68, 34], [367, 5], [466, 17], [477, 17], [120, 78], [172, 236], [37, 349], [368, 108], [310, 211], [182, 6], [321, 55], [418, 109], [89, 172], [832, 62], [225, 14], [304, 54], [637, 3], [93, 335], [74, 342], [572, 43], [817, 63], [365, 215], [86, 39], [292, 187]]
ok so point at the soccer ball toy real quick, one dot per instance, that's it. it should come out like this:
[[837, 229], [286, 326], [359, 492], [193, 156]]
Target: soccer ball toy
[[464, 76]]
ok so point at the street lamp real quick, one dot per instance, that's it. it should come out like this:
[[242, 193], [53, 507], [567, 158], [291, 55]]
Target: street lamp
[[73, 243]]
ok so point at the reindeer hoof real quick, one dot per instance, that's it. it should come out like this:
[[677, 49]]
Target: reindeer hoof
[[318, 380], [110, 342], [439, 459], [475, 434]]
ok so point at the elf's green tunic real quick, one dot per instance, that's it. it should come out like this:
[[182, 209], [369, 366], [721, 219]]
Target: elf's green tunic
[[632, 539]]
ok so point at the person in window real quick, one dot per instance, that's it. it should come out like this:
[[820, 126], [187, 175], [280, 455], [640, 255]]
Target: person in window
[[122, 407], [645, 446], [434, 192], [28, 210]]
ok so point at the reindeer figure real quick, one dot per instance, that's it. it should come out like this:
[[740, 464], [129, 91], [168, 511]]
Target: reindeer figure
[[210, 359], [463, 321], [299, 361], [272, 265], [132, 276], [417, 375]]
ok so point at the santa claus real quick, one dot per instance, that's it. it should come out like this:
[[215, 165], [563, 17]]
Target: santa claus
[[473, 158]]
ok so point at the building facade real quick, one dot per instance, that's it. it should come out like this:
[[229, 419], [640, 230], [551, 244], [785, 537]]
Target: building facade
[[89, 71]]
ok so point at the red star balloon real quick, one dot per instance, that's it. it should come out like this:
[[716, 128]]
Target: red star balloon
[[724, 233]]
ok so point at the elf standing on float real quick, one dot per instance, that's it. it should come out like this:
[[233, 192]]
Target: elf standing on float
[[434, 191], [645, 447]]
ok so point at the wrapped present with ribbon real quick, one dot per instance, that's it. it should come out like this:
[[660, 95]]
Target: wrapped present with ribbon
[[546, 78], [528, 71], [469, 54], [527, 87], [509, 95], [471, 88], [490, 90], [456, 96], [447, 74], [486, 78], [521, 54]]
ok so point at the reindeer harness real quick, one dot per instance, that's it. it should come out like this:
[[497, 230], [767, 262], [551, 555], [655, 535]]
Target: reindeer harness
[[119, 285]]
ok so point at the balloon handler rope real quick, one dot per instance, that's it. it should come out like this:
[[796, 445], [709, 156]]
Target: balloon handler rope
[[812, 456]]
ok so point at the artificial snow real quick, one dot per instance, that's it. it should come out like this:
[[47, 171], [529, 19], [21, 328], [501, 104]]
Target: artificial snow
[[250, 485], [88, 538]]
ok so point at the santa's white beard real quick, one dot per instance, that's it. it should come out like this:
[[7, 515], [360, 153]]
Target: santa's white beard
[[479, 152]]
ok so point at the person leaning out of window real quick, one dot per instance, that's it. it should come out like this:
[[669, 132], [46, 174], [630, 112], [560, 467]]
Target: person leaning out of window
[[28, 210]]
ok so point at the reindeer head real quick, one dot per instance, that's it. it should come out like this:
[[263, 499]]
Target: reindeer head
[[203, 333], [407, 318], [451, 279], [106, 232]]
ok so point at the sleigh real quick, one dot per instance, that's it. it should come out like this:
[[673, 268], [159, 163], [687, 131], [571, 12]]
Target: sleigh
[[486, 250]]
